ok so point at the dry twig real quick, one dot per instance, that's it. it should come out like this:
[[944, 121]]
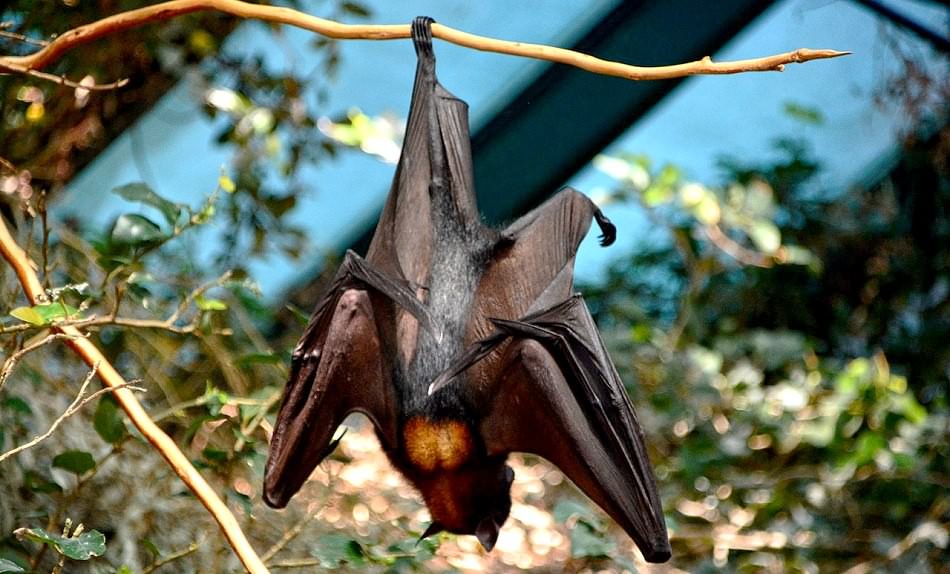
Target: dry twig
[[79, 402], [278, 14]]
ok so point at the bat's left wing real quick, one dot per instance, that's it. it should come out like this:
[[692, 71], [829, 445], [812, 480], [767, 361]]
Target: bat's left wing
[[559, 396], [339, 366]]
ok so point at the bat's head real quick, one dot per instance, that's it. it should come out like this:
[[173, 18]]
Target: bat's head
[[472, 501]]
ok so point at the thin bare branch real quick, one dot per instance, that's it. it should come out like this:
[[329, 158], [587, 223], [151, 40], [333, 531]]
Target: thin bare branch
[[61, 80], [10, 362], [177, 460], [21, 37], [79, 402], [735, 250], [288, 536], [171, 558], [168, 10], [6, 164]]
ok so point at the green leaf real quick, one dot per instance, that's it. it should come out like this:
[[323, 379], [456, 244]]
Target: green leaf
[[215, 455], [151, 547], [132, 229], [83, 547], [124, 570], [45, 314], [804, 114], [356, 9], [108, 421], [142, 193], [766, 236], [7, 566], [18, 405], [210, 304], [38, 483], [869, 443], [258, 359], [75, 461], [655, 195], [333, 550], [226, 183], [588, 543]]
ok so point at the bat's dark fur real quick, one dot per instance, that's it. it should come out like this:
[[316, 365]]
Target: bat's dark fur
[[462, 344]]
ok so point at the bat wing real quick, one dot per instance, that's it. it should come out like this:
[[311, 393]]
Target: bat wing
[[338, 367], [533, 265], [435, 165], [559, 396]]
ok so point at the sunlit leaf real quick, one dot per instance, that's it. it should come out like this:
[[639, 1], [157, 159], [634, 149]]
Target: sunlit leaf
[[46, 313], [765, 235], [657, 194], [7, 566], [83, 547], [133, 229], [207, 304], [708, 211], [226, 183], [142, 193], [75, 461], [28, 315]]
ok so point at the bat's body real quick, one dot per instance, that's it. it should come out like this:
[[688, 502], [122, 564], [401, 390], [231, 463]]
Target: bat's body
[[462, 344]]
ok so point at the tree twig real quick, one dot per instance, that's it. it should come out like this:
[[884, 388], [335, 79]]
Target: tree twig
[[288, 536], [171, 557], [735, 250], [278, 14], [62, 80], [10, 362], [79, 402], [93, 357]]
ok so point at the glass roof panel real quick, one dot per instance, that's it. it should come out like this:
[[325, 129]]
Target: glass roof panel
[[709, 117]]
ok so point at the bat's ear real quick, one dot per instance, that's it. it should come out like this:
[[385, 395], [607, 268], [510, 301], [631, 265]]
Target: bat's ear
[[487, 533]]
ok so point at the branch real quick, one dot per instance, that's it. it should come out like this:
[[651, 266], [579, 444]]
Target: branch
[[168, 10], [14, 358], [93, 357], [735, 250], [171, 557], [79, 402]]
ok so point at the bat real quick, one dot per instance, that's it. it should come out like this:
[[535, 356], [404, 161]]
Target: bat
[[462, 344]]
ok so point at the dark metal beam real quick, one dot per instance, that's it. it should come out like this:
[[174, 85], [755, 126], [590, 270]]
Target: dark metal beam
[[565, 117], [939, 42]]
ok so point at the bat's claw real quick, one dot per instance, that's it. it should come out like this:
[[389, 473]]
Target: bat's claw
[[607, 228]]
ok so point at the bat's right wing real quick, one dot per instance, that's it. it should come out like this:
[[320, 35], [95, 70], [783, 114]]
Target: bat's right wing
[[339, 366], [559, 396]]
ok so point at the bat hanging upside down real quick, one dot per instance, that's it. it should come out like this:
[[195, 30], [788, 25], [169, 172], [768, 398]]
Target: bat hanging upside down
[[463, 344]]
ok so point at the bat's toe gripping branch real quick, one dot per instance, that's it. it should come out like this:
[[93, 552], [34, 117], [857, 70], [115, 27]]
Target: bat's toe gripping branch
[[422, 35]]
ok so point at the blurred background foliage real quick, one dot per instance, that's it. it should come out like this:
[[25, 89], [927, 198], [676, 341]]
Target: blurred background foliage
[[786, 348]]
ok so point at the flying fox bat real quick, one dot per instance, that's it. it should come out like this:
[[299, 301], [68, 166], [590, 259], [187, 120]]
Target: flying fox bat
[[463, 344]]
